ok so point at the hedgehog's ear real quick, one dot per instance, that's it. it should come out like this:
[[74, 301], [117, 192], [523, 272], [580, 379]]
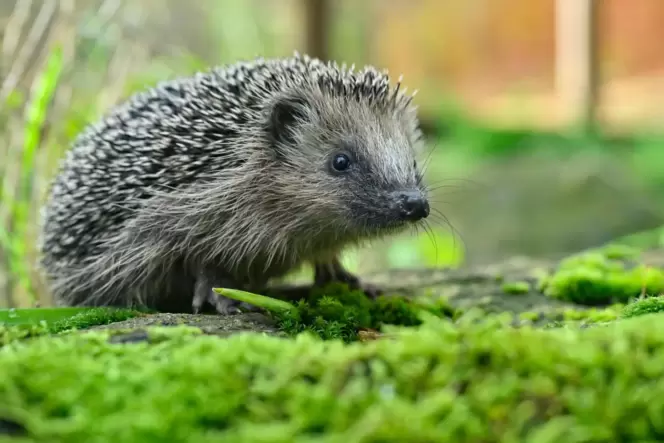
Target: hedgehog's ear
[[285, 115]]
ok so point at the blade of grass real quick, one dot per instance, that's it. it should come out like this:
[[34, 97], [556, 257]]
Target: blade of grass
[[36, 112], [261, 301], [15, 238], [16, 266]]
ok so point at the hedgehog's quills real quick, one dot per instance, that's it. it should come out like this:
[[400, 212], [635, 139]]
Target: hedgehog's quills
[[231, 178]]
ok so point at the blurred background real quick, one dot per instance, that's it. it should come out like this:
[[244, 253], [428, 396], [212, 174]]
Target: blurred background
[[542, 117]]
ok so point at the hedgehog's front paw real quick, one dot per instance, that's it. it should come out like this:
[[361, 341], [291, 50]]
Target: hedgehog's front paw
[[203, 293], [223, 305], [334, 271], [371, 291]]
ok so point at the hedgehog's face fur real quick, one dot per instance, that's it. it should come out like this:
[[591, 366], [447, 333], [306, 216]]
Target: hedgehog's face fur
[[350, 165]]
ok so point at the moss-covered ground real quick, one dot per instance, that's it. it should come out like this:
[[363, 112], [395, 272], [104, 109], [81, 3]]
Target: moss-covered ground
[[346, 369], [468, 381]]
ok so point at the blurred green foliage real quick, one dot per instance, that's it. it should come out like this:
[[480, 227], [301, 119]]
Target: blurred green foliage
[[16, 197]]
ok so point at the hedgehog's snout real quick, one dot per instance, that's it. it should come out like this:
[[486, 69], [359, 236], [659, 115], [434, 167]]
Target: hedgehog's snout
[[411, 205]]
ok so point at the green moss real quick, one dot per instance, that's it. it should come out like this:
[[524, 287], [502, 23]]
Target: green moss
[[649, 305], [595, 278], [82, 320], [619, 251], [439, 382], [591, 315], [516, 288], [9, 333], [94, 317], [572, 317], [529, 316], [335, 312], [604, 315]]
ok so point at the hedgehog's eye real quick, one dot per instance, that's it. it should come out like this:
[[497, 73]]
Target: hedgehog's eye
[[340, 162], [415, 164]]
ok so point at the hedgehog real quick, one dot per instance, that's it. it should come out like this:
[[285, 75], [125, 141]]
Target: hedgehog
[[232, 177]]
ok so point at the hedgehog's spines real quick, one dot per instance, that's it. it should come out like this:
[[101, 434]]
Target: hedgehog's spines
[[131, 194]]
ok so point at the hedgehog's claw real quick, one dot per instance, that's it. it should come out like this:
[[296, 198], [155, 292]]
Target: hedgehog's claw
[[203, 293], [334, 271], [371, 291]]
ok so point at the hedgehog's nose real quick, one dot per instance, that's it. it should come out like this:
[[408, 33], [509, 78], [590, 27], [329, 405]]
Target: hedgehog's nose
[[413, 206]]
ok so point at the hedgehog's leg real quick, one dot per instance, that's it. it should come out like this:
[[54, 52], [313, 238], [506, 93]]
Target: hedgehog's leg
[[334, 271], [205, 281]]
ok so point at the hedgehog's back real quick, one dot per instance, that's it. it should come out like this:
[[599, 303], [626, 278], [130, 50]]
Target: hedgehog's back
[[158, 140]]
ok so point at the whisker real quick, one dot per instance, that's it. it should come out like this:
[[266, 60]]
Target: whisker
[[458, 179], [432, 237], [443, 202], [448, 189], [455, 232], [426, 164], [450, 183]]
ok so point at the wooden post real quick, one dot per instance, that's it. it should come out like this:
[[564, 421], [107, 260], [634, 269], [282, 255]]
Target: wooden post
[[577, 70], [317, 20]]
